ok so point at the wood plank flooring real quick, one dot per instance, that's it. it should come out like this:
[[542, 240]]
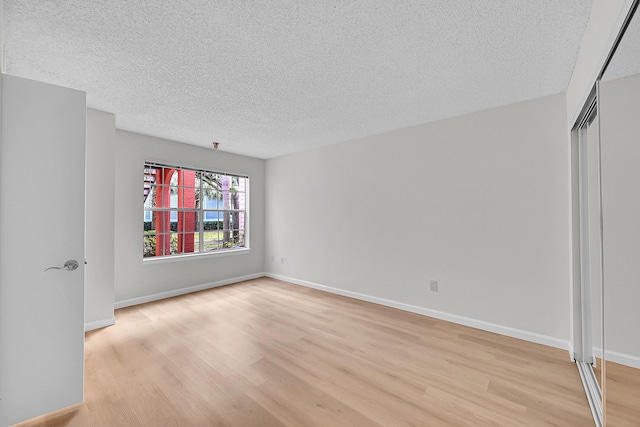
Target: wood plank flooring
[[622, 401], [268, 353]]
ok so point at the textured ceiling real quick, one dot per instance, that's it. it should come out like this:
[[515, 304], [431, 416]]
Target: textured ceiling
[[273, 77], [626, 59]]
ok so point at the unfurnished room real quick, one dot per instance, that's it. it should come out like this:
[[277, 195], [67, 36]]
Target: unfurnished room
[[331, 213]]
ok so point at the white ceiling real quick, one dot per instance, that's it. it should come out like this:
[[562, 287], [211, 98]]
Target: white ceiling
[[626, 59], [274, 77]]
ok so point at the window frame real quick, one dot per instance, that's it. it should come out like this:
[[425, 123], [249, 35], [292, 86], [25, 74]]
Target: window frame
[[200, 211]]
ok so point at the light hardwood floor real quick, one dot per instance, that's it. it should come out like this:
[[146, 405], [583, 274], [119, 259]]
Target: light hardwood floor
[[268, 353], [622, 401]]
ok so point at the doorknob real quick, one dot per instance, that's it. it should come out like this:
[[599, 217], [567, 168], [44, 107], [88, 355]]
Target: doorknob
[[70, 265]]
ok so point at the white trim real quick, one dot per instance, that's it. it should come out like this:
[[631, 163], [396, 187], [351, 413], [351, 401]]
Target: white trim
[[617, 357], [478, 324], [592, 390], [623, 359], [165, 164], [600, 63], [182, 291], [572, 353], [97, 324], [199, 210], [196, 255], [585, 239]]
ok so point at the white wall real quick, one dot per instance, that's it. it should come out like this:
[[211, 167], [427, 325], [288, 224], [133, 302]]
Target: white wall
[[477, 202], [1, 37], [100, 222], [620, 138], [135, 280], [605, 22]]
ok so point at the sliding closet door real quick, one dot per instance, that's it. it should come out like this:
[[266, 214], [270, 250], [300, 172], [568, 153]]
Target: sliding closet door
[[619, 109], [593, 264], [589, 315]]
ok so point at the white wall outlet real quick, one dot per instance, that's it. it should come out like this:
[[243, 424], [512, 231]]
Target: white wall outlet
[[282, 260], [433, 285]]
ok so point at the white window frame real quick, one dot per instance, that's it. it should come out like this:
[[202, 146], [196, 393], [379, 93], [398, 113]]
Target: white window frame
[[201, 210]]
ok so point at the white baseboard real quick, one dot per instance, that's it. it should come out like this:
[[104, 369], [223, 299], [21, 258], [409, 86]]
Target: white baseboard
[[623, 359], [617, 357], [478, 324], [97, 324], [572, 352], [182, 291]]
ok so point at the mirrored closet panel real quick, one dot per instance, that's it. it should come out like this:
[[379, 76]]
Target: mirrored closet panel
[[619, 126], [588, 312]]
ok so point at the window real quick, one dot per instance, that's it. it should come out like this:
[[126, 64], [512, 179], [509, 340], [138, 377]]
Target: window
[[192, 211]]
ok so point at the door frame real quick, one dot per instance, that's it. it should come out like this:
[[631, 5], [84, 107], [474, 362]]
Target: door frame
[[582, 352]]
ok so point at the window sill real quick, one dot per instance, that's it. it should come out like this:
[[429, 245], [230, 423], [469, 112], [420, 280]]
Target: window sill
[[187, 257]]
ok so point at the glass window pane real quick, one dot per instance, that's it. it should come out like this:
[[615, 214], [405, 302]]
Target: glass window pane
[[156, 196], [173, 179], [211, 239], [236, 220], [149, 245], [212, 199], [241, 201], [163, 244], [173, 197], [192, 237], [187, 221], [161, 220], [210, 184], [242, 185], [241, 223], [179, 202], [189, 195], [230, 239], [211, 218], [198, 179]]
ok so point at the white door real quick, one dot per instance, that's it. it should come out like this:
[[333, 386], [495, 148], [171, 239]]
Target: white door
[[42, 155]]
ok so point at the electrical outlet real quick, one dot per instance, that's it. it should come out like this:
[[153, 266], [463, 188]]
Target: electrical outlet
[[434, 285], [281, 260]]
